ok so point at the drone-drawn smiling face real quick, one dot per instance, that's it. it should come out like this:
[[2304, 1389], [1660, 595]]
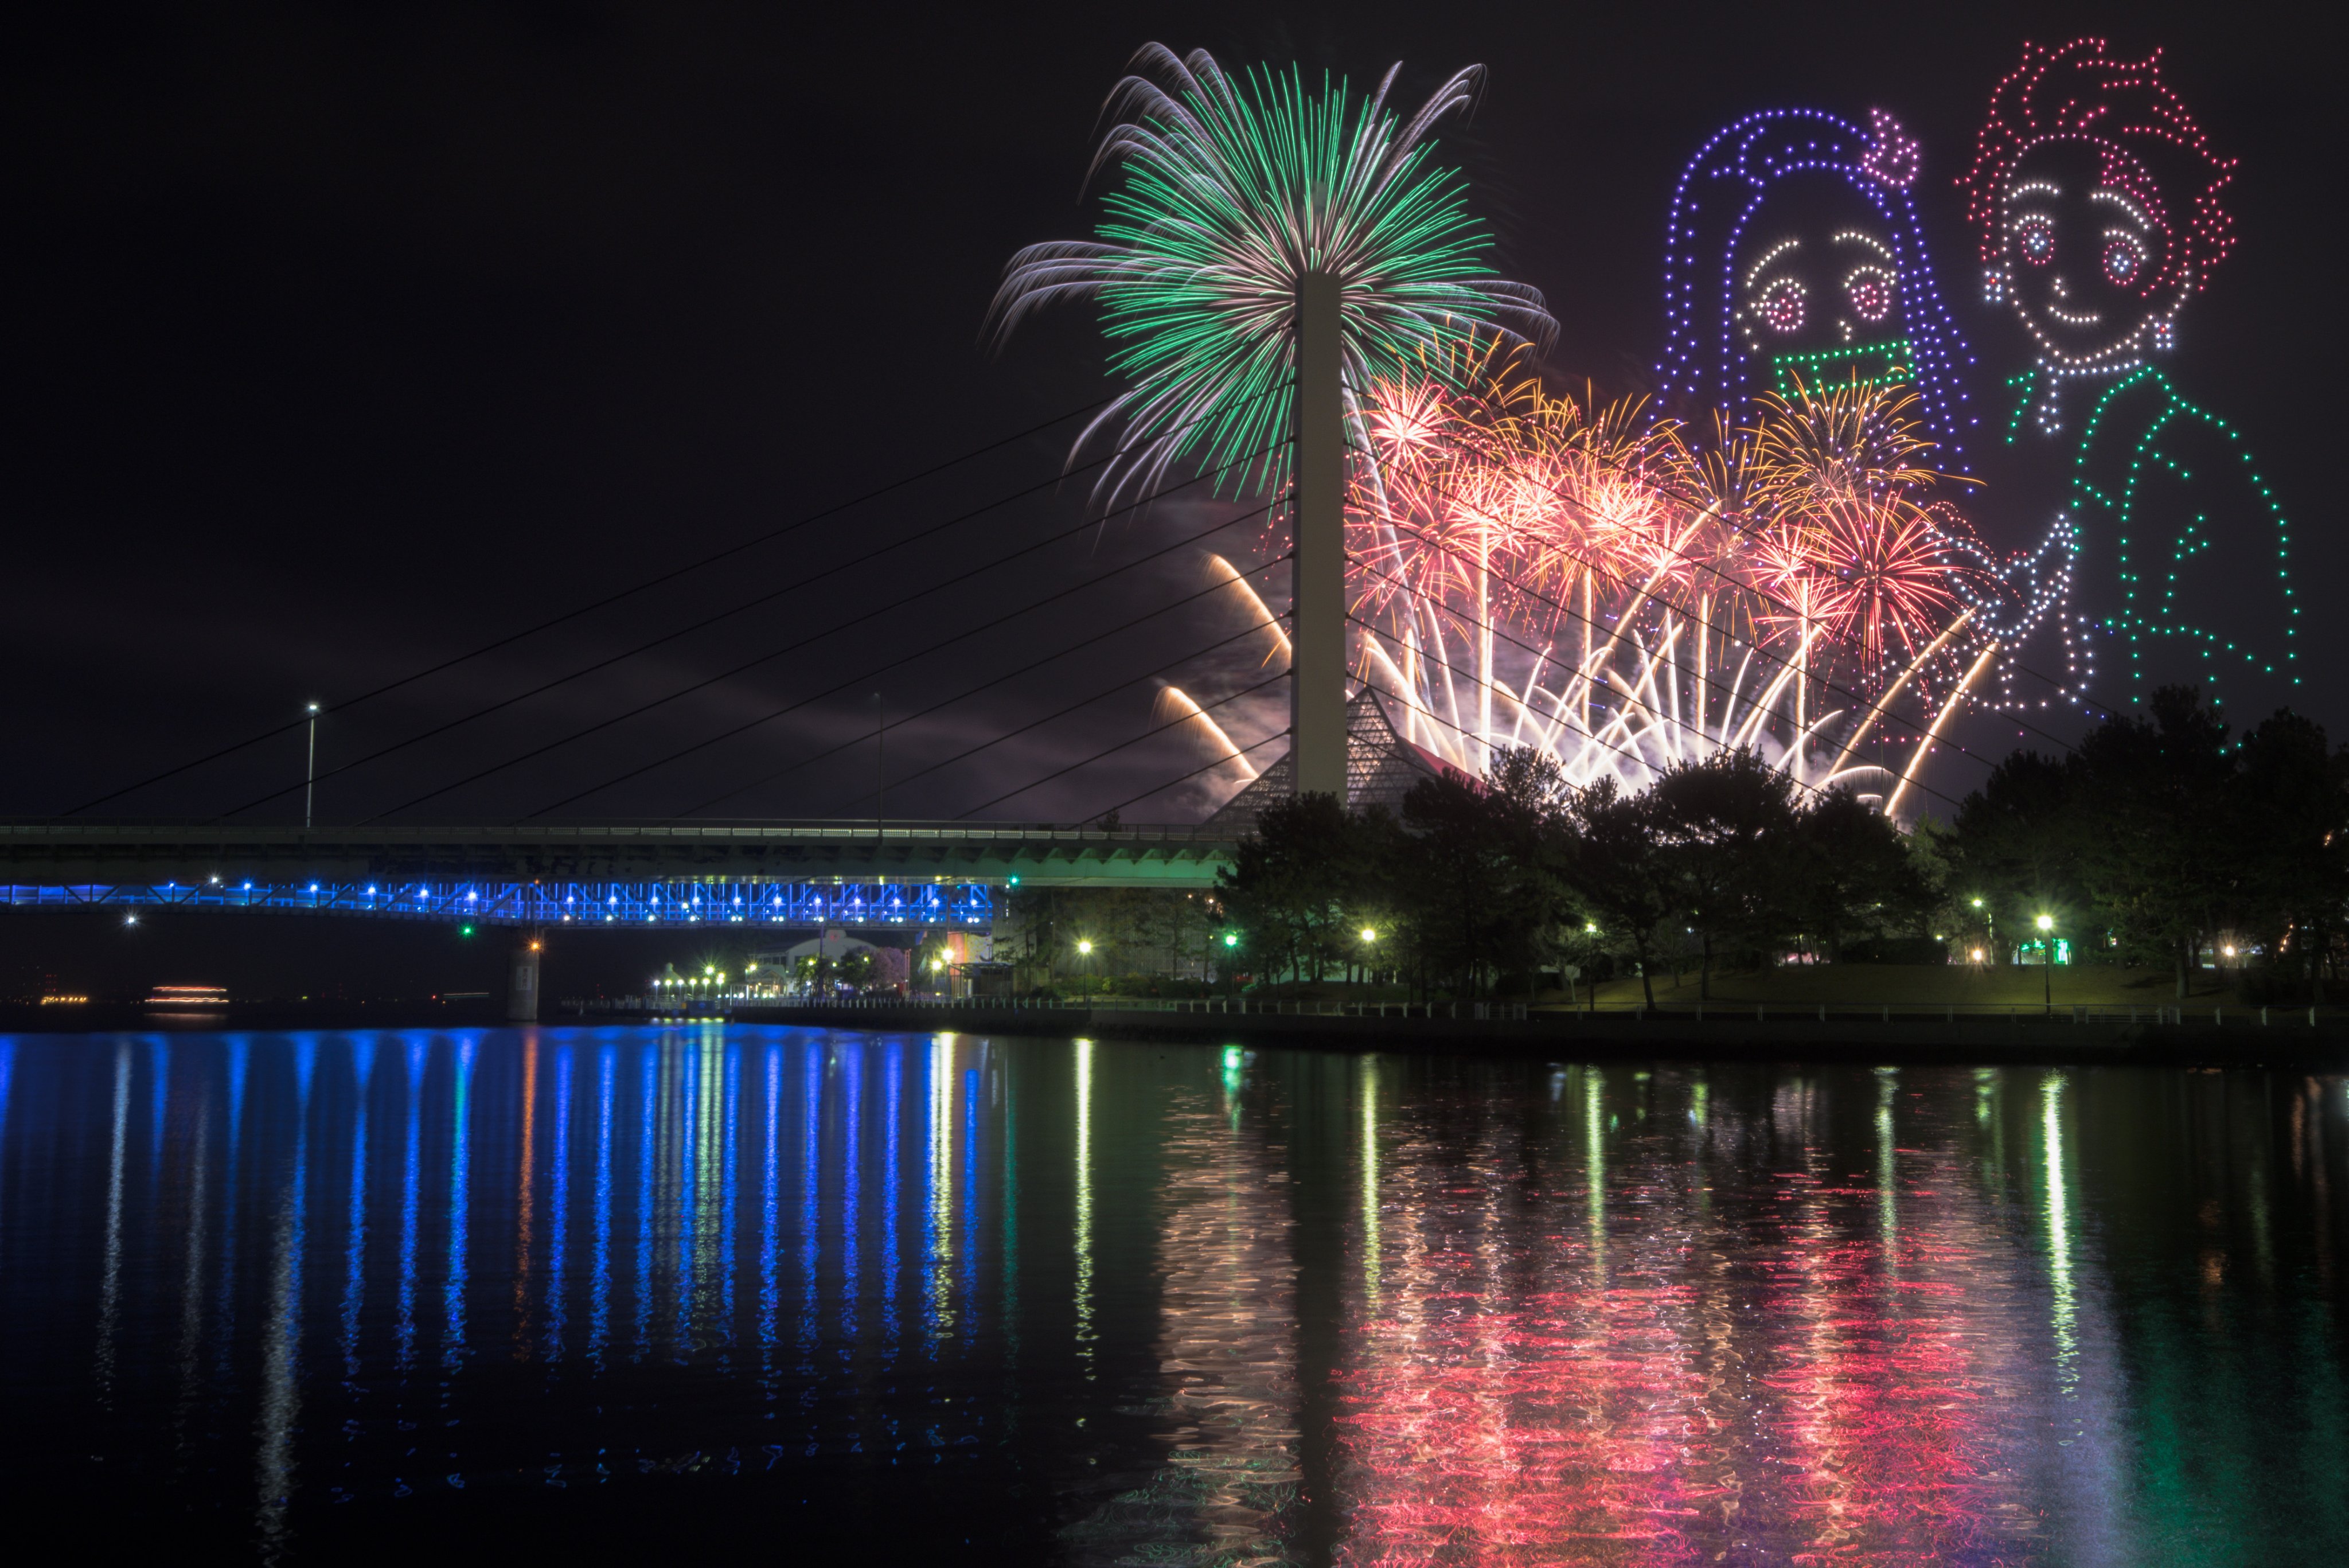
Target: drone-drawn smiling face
[[1819, 281], [2086, 253]]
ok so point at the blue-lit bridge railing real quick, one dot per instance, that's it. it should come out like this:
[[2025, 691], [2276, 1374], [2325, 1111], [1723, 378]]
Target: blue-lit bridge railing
[[73, 854], [857, 905]]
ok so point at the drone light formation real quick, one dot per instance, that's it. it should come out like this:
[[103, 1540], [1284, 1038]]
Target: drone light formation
[[2096, 201], [1794, 251], [2073, 128]]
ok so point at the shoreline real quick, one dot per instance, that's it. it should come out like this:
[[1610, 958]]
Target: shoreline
[[1729, 1030], [2232, 1037]]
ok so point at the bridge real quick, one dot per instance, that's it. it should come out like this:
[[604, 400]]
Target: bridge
[[288, 860], [542, 868], [862, 877]]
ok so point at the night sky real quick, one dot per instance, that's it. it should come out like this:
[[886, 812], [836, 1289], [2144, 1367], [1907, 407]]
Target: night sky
[[343, 340]]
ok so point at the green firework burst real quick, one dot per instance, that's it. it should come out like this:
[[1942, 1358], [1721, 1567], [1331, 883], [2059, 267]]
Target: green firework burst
[[1230, 194]]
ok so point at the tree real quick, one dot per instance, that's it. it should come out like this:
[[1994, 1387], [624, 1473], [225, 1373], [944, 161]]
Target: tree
[[1378, 897], [2162, 836], [2015, 842], [2287, 817], [1133, 930], [1452, 877], [1037, 933], [1618, 870], [931, 955], [1287, 884], [1733, 857], [1526, 795], [2151, 795], [1856, 872], [1484, 865]]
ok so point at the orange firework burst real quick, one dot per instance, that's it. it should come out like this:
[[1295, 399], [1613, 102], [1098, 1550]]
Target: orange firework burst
[[1857, 542], [1543, 570]]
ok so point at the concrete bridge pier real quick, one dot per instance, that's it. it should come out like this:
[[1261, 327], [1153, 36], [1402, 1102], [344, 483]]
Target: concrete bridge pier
[[521, 978]]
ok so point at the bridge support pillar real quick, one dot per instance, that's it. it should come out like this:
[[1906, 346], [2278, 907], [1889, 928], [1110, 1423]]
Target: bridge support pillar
[[1317, 665], [521, 978]]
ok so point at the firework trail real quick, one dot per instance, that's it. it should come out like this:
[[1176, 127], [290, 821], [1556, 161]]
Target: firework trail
[[1175, 710]]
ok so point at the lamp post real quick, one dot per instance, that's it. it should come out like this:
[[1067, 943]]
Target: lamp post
[[310, 773], [1085, 951], [880, 775], [2047, 962]]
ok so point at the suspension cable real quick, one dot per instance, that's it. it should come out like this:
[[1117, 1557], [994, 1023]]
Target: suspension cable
[[604, 603], [1088, 762], [789, 588], [777, 653], [1236, 753], [974, 691]]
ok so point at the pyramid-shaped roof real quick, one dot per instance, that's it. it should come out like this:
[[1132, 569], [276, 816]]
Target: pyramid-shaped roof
[[1381, 768]]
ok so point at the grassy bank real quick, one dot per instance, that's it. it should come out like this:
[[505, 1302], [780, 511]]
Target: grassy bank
[[1928, 985]]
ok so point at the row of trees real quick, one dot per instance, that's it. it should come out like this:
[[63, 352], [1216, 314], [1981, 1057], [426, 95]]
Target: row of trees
[[1046, 931], [2158, 838], [1507, 876]]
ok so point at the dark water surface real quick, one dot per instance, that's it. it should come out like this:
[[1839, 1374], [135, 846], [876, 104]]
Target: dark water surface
[[794, 1293]]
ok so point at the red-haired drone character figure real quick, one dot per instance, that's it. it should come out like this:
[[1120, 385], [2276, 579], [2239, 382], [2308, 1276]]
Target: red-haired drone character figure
[[2096, 201]]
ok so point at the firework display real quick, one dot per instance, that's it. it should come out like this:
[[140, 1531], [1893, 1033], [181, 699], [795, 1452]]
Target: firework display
[[1773, 554], [1536, 570], [1232, 190], [2097, 202]]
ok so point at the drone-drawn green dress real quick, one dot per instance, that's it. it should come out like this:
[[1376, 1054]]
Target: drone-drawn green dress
[[2171, 510]]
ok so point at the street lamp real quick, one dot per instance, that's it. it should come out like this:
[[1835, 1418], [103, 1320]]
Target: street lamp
[[2047, 965], [310, 773], [1990, 921], [1085, 951]]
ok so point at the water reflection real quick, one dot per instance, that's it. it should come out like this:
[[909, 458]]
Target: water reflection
[[1370, 1310]]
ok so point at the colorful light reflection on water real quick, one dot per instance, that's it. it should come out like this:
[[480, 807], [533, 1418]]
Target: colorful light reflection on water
[[308, 1295]]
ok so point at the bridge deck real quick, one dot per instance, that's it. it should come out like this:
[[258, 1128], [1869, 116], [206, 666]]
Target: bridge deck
[[57, 853]]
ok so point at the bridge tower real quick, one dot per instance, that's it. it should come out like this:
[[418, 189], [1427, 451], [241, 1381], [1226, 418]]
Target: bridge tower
[[1316, 668]]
